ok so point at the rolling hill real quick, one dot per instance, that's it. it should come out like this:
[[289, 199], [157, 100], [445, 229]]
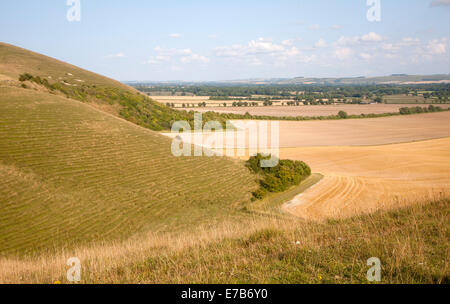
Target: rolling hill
[[73, 173], [25, 69]]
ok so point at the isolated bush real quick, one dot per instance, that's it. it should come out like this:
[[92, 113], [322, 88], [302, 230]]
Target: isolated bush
[[405, 111], [279, 178], [25, 77], [342, 114]]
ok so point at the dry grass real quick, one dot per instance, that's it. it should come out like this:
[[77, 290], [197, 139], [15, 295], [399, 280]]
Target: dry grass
[[412, 244]]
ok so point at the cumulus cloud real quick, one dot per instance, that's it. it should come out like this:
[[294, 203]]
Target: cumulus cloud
[[118, 55], [183, 55], [255, 47], [175, 35], [343, 53], [437, 47], [264, 51], [194, 58], [321, 43], [372, 37], [367, 38]]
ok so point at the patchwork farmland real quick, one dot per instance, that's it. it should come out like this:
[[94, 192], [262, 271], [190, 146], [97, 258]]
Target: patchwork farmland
[[85, 173]]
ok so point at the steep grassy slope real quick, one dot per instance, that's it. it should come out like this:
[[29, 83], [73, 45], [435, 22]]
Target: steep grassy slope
[[15, 61], [55, 77], [70, 174]]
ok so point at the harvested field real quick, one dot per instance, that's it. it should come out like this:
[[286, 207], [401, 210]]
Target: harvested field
[[365, 132], [368, 164], [364, 179], [310, 111], [356, 132]]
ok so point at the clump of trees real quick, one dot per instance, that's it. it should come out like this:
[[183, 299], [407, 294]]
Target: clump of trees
[[418, 110], [343, 114], [25, 77], [286, 174]]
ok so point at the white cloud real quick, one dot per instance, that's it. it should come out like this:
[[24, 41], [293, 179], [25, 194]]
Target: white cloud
[[254, 47], [372, 37], [118, 55], [263, 51], [321, 43], [288, 42], [183, 55], [175, 35], [336, 27], [347, 40], [212, 36], [365, 56], [390, 47], [409, 40], [314, 27], [437, 47], [343, 53], [194, 58]]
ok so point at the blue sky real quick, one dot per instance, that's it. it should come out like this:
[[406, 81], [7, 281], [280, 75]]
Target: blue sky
[[220, 40]]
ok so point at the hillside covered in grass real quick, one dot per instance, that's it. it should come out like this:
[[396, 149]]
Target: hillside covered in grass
[[411, 243], [71, 175], [29, 70]]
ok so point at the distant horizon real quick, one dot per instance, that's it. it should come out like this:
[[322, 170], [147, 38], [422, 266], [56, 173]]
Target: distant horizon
[[286, 78]]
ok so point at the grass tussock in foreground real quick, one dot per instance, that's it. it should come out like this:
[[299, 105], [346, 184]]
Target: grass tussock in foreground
[[412, 244]]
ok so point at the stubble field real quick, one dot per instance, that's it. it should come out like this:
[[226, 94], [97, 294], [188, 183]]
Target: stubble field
[[360, 180]]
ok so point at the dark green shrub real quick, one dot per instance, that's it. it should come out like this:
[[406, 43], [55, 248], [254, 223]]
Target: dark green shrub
[[343, 114], [25, 77], [279, 178]]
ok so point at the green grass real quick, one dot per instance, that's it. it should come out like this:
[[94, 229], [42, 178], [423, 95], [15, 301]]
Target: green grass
[[59, 78], [271, 205], [71, 175]]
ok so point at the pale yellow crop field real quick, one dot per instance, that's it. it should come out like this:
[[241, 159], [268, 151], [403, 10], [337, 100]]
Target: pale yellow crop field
[[319, 110], [368, 164], [364, 179]]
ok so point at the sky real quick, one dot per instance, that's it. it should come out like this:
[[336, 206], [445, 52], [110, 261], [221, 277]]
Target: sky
[[197, 40]]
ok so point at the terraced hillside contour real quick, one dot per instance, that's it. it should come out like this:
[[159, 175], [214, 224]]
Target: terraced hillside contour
[[72, 175]]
